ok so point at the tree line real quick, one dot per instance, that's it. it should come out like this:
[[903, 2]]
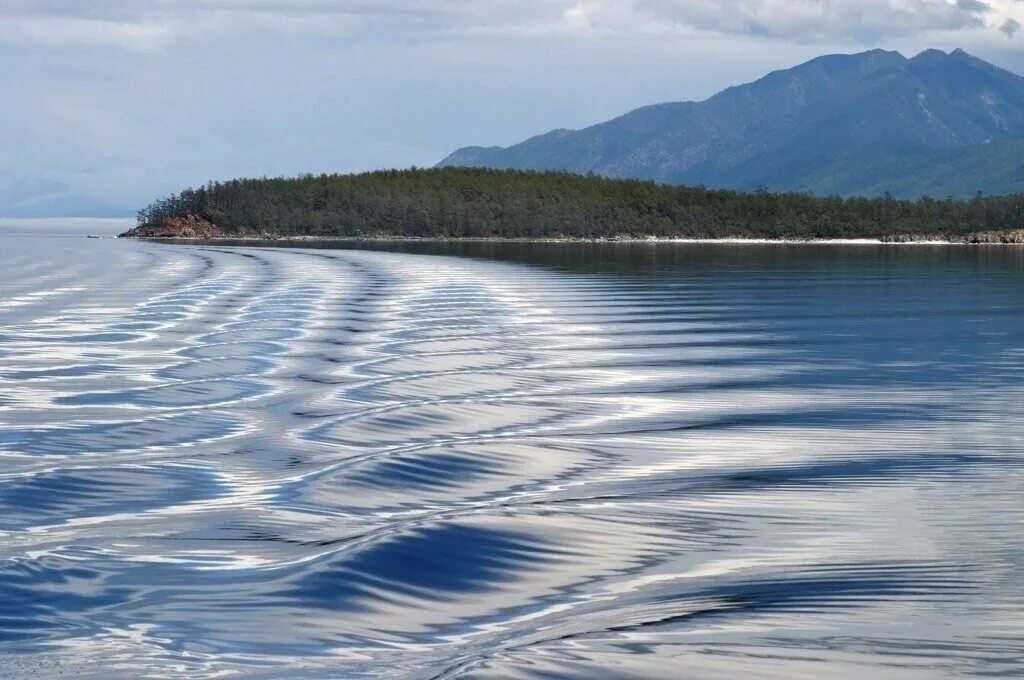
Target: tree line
[[480, 202]]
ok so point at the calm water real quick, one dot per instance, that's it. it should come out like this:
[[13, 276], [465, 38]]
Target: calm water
[[536, 461]]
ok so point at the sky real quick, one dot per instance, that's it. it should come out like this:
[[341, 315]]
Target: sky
[[108, 104]]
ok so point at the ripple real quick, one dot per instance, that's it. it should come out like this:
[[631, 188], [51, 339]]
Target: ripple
[[62, 495], [78, 338], [423, 479], [176, 395], [79, 371], [40, 600], [233, 350], [226, 367], [430, 422], [116, 437], [587, 461], [423, 564]]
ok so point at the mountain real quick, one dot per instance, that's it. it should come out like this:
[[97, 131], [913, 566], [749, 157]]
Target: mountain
[[845, 124]]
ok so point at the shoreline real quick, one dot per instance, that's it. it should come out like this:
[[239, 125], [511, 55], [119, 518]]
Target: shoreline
[[265, 238]]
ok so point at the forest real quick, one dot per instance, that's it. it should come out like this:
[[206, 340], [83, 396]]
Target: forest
[[484, 203]]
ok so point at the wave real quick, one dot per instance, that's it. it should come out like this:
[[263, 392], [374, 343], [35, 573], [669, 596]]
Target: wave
[[287, 462]]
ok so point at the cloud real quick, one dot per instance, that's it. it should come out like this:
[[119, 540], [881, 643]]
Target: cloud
[[114, 102], [866, 21], [152, 24], [60, 31], [422, 12]]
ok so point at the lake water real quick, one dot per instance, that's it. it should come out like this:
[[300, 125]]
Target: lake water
[[529, 461]]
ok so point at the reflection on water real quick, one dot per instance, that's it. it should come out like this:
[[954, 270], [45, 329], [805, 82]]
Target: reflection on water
[[530, 461]]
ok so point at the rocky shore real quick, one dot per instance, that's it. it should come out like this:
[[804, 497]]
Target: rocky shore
[[190, 227], [198, 229]]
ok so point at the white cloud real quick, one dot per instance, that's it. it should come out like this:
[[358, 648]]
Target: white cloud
[[150, 24], [816, 20], [113, 102], [64, 31]]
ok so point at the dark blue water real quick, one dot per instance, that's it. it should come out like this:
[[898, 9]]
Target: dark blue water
[[529, 461]]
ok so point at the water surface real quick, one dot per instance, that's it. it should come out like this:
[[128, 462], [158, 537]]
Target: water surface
[[527, 461]]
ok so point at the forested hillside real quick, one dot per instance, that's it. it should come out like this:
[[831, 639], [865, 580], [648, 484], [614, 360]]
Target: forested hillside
[[471, 202]]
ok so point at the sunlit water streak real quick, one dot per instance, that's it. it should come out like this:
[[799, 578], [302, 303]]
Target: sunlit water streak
[[547, 461]]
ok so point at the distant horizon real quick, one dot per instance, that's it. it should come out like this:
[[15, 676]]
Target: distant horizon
[[64, 223]]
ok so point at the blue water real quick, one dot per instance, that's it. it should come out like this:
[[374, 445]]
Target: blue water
[[510, 461]]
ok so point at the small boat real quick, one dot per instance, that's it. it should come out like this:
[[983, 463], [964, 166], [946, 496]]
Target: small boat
[[93, 236]]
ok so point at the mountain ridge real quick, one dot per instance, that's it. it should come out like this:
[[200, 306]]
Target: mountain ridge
[[785, 129]]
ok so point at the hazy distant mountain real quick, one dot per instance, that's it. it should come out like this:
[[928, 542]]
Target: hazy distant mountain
[[939, 124]]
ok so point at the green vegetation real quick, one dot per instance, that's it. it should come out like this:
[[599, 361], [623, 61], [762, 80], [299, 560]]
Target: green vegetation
[[998, 167], [470, 202]]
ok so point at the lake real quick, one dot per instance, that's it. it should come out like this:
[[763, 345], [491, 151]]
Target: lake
[[485, 460]]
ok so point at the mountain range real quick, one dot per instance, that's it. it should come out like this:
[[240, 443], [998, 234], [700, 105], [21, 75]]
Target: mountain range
[[939, 124]]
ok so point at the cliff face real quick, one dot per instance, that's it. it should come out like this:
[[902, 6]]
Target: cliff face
[[190, 226]]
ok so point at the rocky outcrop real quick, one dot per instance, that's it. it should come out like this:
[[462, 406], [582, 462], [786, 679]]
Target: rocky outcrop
[[190, 226]]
